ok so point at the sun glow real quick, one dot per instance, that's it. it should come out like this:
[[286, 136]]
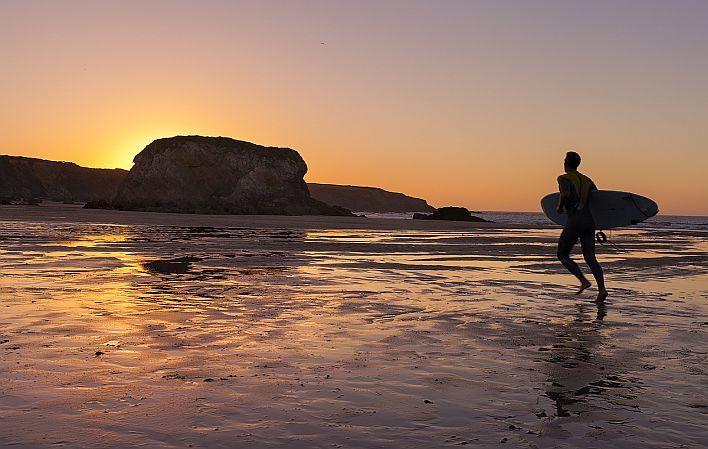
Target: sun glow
[[406, 106]]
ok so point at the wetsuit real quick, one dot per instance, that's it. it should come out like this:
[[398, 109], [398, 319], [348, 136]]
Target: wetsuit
[[580, 225]]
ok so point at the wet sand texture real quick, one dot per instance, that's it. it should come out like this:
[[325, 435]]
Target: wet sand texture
[[297, 333]]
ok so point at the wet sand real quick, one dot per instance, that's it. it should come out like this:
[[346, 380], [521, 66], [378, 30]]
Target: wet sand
[[161, 331]]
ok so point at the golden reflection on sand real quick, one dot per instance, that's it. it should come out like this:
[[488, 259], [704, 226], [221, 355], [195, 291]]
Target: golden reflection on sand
[[279, 337]]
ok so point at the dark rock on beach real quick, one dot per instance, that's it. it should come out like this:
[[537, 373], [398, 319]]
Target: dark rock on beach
[[218, 175], [451, 214]]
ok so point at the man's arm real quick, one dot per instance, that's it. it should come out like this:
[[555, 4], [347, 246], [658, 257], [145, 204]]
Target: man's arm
[[564, 189]]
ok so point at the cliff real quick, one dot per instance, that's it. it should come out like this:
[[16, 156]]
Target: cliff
[[367, 199], [195, 174], [24, 178]]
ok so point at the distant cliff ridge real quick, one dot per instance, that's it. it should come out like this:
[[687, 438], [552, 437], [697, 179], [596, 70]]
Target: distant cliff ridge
[[367, 199], [24, 178]]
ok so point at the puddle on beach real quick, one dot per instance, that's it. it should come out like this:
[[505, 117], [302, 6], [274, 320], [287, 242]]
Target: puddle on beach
[[168, 336]]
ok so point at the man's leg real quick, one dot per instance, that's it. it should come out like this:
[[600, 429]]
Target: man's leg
[[587, 242], [565, 246]]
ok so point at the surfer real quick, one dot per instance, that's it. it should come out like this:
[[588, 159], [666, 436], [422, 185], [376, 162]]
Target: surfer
[[575, 191]]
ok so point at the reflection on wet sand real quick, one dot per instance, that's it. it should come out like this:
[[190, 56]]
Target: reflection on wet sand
[[171, 336], [180, 265], [593, 384], [574, 366]]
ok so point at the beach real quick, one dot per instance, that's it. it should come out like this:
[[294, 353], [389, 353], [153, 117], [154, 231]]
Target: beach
[[128, 329]]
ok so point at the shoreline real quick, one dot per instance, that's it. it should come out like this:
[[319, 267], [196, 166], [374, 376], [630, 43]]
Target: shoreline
[[57, 212]]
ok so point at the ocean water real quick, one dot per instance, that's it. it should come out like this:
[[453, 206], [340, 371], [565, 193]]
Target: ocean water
[[687, 222]]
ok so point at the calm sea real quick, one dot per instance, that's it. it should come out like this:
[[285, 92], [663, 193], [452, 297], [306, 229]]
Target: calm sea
[[694, 223]]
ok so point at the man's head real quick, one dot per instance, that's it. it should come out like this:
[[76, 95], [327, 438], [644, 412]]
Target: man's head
[[572, 161]]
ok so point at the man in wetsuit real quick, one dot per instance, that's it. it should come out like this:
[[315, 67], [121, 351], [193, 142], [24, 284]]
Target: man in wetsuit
[[575, 190]]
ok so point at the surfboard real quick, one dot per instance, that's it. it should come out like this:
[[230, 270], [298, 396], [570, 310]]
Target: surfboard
[[609, 208]]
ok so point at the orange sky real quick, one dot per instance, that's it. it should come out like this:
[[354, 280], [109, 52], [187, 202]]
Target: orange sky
[[461, 103]]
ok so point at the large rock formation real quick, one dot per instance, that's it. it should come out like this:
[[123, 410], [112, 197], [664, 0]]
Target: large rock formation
[[194, 174], [367, 199], [29, 180]]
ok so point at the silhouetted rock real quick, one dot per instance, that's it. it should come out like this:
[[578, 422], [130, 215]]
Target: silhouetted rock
[[451, 214], [218, 175], [180, 265], [367, 199], [28, 181]]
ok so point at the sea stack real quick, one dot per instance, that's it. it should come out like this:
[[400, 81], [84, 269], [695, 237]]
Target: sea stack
[[218, 175]]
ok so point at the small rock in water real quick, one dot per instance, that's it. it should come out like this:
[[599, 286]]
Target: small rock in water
[[99, 353], [428, 401]]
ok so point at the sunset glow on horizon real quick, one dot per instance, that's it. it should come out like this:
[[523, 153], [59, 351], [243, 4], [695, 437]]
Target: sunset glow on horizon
[[461, 103]]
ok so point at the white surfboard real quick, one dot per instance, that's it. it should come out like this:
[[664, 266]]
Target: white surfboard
[[609, 208]]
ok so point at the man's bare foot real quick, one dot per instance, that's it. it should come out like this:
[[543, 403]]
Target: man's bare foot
[[583, 285], [601, 296]]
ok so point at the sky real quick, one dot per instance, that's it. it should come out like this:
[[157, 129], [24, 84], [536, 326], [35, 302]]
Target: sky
[[468, 103]]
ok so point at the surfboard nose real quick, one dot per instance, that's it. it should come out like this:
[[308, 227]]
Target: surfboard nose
[[652, 209], [646, 206]]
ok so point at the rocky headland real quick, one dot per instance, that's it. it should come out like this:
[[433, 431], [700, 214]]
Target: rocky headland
[[30, 180], [367, 199], [195, 174]]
